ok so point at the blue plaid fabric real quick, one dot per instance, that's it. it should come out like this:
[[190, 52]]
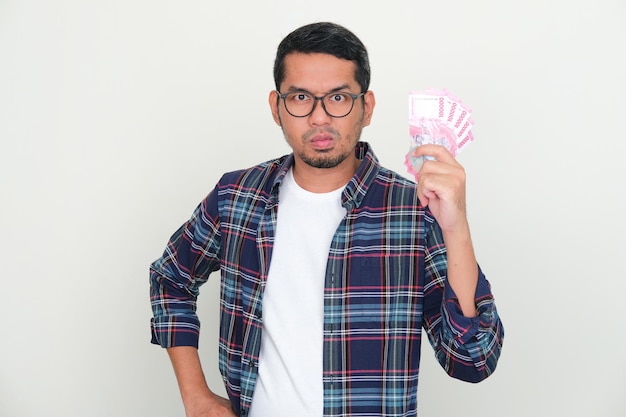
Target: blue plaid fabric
[[385, 282]]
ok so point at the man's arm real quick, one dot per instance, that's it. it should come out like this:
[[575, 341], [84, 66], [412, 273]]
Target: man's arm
[[175, 279], [441, 187], [460, 315], [198, 399], [462, 269]]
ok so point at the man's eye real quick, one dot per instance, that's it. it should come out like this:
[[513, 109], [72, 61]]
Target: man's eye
[[300, 97], [337, 98]]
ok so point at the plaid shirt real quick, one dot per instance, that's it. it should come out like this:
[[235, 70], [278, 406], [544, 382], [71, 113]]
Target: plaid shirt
[[385, 281]]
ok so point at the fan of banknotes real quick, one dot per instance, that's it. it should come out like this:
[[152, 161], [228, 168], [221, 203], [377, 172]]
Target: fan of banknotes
[[437, 117]]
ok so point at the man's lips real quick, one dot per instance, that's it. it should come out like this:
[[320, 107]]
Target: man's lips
[[322, 141]]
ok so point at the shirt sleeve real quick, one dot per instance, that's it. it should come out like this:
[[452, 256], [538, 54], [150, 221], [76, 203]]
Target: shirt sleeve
[[191, 255], [467, 348]]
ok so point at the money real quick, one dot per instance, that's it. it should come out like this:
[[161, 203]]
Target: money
[[437, 117]]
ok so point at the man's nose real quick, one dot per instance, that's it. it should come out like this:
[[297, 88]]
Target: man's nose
[[319, 115]]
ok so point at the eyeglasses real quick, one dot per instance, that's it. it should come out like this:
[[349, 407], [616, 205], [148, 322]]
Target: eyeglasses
[[302, 103]]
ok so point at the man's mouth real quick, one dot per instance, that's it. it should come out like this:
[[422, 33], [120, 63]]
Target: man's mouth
[[322, 141]]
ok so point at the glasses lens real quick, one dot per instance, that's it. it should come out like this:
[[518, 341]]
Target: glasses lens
[[338, 104], [300, 104]]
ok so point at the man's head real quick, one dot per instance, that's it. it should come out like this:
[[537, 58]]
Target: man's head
[[322, 101], [326, 38]]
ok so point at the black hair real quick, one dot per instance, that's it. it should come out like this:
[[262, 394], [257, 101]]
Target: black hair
[[326, 38]]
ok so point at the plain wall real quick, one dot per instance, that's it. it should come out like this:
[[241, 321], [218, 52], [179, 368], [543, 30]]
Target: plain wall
[[118, 117]]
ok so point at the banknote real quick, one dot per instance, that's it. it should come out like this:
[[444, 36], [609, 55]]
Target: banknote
[[437, 117]]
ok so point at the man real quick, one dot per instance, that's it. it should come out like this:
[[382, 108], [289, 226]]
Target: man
[[330, 264]]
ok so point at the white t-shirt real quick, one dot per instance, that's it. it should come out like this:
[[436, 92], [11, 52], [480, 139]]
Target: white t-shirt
[[290, 364]]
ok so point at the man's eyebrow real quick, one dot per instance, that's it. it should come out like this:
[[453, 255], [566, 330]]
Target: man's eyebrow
[[293, 89]]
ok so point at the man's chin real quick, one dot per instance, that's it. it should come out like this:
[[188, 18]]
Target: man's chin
[[323, 161]]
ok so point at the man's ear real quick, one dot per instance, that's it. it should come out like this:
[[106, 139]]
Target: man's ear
[[369, 102], [273, 101]]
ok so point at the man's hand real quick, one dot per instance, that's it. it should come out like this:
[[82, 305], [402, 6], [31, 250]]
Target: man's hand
[[198, 399], [209, 406], [441, 187]]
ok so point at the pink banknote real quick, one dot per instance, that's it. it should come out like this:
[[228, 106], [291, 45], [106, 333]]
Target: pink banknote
[[437, 117]]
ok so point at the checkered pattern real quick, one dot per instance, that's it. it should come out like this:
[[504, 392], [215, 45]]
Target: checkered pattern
[[385, 282]]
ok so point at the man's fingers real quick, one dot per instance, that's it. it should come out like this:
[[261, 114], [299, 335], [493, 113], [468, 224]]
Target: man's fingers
[[438, 152]]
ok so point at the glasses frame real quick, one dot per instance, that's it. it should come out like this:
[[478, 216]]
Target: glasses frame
[[321, 100]]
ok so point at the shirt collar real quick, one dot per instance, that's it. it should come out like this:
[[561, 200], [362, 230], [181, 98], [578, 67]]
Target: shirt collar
[[357, 187]]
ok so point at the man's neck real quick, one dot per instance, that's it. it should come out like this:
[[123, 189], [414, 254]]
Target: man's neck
[[323, 180]]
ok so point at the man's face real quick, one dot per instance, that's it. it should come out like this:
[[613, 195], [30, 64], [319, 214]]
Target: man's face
[[319, 140]]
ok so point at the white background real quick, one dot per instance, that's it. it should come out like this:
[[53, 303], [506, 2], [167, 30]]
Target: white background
[[117, 117]]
